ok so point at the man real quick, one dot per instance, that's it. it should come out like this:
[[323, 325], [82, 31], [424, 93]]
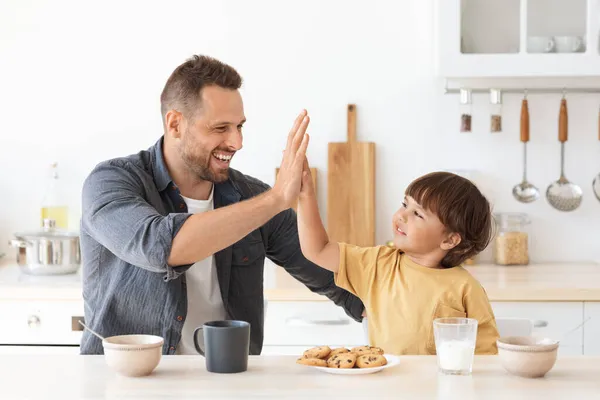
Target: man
[[172, 237]]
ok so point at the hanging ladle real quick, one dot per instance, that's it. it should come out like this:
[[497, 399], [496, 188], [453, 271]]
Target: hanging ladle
[[596, 183], [525, 192], [562, 194]]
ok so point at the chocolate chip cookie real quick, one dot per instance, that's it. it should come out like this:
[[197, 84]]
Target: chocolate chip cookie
[[371, 361], [344, 360], [362, 350], [321, 352], [339, 350], [313, 362]]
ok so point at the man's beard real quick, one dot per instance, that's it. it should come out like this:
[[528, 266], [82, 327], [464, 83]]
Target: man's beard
[[199, 164]]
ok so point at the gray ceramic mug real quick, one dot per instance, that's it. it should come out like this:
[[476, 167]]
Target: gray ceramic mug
[[226, 344]]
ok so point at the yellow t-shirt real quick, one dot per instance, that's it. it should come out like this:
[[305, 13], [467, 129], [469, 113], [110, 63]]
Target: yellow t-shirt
[[402, 298]]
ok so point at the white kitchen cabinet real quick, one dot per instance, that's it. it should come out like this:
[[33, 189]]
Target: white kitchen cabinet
[[591, 329], [39, 350], [308, 324], [292, 327], [36, 322], [508, 38], [562, 318], [283, 350]]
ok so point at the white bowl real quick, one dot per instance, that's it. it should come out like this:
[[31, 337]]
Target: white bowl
[[133, 355], [527, 356]]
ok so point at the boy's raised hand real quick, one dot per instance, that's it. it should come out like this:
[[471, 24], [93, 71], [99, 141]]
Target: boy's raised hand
[[307, 188]]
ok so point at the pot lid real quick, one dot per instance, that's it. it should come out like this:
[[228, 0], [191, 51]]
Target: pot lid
[[48, 231]]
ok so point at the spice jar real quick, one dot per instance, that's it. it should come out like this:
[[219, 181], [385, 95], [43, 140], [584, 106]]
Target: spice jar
[[496, 112], [511, 245], [465, 110]]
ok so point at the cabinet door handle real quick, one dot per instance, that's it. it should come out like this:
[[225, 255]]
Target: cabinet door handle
[[33, 321], [316, 322], [540, 323]]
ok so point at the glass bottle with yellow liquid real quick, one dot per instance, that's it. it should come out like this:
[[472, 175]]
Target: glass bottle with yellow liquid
[[54, 204]]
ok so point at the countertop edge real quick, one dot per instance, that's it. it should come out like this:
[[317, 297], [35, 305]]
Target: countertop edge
[[502, 284], [299, 295], [541, 295]]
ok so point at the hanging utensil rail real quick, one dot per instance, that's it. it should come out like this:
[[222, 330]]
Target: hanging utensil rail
[[533, 90]]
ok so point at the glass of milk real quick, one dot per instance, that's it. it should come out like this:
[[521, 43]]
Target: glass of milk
[[455, 340]]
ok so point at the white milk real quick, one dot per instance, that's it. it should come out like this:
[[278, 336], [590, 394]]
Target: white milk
[[455, 355]]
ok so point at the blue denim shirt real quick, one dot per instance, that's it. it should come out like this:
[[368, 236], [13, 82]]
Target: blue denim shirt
[[132, 210]]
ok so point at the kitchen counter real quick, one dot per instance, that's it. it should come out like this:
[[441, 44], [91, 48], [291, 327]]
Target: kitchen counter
[[15, 285], [535, 282], [178, 377]]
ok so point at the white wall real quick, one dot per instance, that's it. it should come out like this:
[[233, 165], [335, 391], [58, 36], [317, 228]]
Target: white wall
[[80, 83]]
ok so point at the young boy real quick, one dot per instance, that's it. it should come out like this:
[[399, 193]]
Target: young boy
[[444, 220]]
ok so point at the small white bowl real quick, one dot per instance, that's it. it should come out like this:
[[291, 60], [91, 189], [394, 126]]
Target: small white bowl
[[133, 355], [527, 356]]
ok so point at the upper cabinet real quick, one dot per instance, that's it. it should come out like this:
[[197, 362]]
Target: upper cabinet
[[518, 38]]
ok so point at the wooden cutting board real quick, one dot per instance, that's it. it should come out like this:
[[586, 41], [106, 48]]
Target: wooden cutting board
[[351, 188]]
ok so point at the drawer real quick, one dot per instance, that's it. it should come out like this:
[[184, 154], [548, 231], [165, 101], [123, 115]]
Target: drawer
[[591, 345], [311, 324], [283, 350], [562, 318], [39, 350], [40, 322], [569, 351]]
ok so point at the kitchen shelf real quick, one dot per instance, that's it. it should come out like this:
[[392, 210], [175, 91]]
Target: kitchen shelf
[[556, 18], [517, 38], [489, 26]]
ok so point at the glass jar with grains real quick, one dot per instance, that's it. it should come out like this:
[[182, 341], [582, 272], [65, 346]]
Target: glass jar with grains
[[511, 245]]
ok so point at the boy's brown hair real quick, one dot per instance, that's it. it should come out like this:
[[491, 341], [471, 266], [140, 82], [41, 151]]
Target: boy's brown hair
[[461, 207]]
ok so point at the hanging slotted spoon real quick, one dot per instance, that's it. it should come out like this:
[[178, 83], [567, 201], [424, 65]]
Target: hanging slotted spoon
[[562, 194], [525, 192], [596, 183]]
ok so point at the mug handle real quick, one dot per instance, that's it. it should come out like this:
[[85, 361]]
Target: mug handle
[[198, 349]]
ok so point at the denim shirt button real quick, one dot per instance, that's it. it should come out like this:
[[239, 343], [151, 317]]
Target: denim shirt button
[[179, 318], [171, 348]]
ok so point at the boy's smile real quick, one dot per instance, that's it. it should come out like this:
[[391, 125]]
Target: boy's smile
[[398, 229]]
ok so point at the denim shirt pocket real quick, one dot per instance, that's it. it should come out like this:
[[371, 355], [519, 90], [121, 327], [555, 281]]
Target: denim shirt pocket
[[247, 267], [248, 251]]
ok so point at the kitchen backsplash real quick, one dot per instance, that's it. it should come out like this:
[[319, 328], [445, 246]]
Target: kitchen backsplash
[[102, 101]]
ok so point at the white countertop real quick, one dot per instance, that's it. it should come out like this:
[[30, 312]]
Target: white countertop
[[184, 377], [535, 282], [16, 285]]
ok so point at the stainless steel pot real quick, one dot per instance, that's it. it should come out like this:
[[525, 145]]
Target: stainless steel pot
[[50, 251]]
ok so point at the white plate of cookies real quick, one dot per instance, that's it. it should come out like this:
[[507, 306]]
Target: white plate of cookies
[[348, 361]]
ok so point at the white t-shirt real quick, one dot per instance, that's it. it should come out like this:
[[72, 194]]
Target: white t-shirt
[[203, 291]]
